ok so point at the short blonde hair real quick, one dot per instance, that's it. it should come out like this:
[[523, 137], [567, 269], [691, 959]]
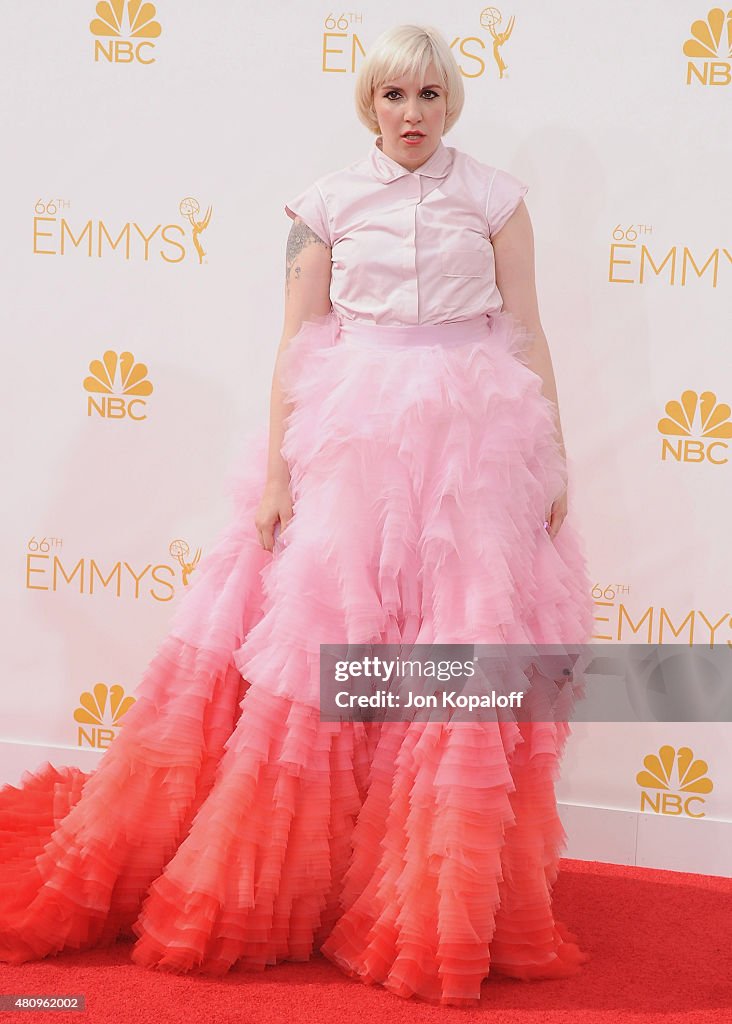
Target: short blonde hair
[[408, 50]]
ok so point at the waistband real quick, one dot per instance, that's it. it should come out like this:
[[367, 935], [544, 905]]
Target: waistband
[[457, 332]]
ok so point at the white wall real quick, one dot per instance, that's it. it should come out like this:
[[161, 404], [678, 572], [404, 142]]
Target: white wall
[[627, 155]]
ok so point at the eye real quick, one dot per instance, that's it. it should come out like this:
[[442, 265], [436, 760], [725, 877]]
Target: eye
[[395, 92]]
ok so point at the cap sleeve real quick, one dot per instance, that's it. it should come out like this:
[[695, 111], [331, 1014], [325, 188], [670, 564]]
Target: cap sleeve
[[310, 206], [505, 193]]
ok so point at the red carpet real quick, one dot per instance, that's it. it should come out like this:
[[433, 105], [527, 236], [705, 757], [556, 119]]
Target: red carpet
[[661, 946]]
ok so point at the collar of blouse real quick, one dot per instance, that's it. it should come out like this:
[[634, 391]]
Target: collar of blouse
[[385, 169]]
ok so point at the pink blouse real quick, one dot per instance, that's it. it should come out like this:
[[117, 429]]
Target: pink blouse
[[411, 247]]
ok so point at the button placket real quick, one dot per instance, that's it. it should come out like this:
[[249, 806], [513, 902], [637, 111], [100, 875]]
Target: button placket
[[413, 310]]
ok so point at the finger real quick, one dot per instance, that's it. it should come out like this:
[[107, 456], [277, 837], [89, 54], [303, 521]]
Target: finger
[[557, 523]]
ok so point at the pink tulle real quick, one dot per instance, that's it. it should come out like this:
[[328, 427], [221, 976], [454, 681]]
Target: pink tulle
[[227, 824]]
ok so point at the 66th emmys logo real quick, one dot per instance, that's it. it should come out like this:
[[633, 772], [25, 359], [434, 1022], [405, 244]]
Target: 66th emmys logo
[[50, 570], [636, 259], [342, 46], [696, 429], [710, 47], [124, 32], [60, 231]]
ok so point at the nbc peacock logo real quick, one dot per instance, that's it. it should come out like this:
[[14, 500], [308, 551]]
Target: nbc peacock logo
[[99, 715], [124, 32], [117, 387], [677, 782], [710, 48], [696, 429]]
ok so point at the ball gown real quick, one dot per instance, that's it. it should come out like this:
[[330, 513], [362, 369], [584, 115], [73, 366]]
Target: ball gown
[[228, 825]]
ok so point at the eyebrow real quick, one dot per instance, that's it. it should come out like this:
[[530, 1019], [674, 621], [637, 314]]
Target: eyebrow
[[434, 86]]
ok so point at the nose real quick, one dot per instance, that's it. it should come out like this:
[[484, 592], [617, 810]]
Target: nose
[[412, 113]]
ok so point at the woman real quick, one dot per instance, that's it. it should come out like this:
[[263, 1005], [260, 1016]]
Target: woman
[[415, 469]]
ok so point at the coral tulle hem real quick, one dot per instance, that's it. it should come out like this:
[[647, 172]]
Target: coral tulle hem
[[228, 825], [451, 883]]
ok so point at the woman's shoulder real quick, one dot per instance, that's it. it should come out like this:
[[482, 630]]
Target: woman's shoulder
[[497, 190], [321, 196], [481, 171], [332, 179]]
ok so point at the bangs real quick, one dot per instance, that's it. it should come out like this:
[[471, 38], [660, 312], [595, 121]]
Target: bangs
[[415, 64]]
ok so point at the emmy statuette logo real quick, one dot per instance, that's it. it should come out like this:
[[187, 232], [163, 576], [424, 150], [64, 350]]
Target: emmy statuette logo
[[190, 208], [490, 19], [180, 550]]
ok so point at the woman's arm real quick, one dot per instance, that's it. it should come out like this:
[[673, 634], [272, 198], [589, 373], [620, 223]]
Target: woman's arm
[[513, 247], [307, 294]]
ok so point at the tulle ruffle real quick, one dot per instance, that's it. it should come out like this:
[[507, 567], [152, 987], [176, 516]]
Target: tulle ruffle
[[421, 479], [456, 850], [228, 824], [443, 463], [79, 849], [258, 879]]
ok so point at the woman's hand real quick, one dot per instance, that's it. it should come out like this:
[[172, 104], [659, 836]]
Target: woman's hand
[[275, 507], [557, 514]]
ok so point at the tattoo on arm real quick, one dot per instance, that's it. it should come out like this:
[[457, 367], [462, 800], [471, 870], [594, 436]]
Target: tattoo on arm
[[299, 238]]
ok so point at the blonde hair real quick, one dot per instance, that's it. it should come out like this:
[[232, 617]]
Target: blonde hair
[[408, 50]]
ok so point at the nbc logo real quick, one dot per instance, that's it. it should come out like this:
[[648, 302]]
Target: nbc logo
[[99, 715], [119, 395], [710, 47], [699, 415], [675, 792], [126, 31]]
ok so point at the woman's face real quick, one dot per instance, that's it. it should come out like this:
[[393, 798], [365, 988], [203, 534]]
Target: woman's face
[[404, 105]]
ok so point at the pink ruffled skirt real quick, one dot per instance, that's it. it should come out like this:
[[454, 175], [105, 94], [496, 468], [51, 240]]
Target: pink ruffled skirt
[[228, 825]]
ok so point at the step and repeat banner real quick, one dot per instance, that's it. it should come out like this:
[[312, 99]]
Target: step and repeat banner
[[149, 152]]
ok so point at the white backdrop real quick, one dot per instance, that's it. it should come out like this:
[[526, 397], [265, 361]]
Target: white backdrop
[[618, 125]]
